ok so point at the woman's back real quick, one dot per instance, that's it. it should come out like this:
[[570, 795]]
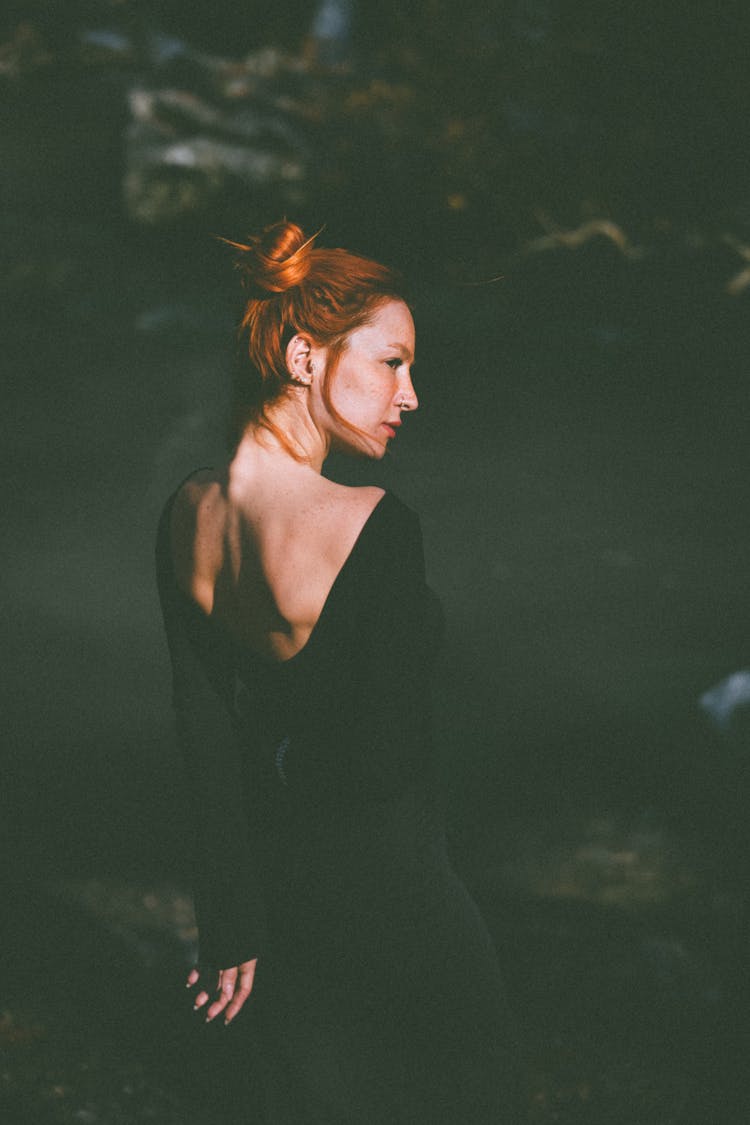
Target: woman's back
[[261, 559]]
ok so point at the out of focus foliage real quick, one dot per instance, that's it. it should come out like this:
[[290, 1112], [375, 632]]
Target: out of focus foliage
[[448, 126]]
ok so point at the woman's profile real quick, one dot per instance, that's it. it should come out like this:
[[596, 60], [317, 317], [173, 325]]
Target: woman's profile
[[302, 635]]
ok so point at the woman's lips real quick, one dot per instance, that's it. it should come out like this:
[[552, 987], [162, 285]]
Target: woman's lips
[[391, 427]]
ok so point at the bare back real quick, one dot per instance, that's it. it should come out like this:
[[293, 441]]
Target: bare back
[[261, 557]]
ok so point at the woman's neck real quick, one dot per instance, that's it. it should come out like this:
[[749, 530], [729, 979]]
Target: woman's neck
[[291, 417]]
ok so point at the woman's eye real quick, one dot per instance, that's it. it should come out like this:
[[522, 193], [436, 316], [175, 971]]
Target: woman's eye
[[394, 363]]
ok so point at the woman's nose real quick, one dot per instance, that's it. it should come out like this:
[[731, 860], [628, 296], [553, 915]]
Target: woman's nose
[[407, 397]]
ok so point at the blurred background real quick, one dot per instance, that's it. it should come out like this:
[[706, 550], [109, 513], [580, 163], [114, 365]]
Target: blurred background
[[566, 184]]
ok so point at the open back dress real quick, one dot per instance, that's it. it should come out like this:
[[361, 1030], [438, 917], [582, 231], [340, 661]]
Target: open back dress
[[320, 850]]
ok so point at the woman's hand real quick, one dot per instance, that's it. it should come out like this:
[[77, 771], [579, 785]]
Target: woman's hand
[[230, 991]]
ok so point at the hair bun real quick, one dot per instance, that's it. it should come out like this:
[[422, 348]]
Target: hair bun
[[276, 260]]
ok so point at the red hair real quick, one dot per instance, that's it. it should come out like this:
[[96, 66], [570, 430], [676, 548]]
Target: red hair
[[293, 287]]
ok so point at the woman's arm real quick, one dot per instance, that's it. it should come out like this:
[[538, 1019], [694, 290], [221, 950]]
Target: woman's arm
[[228, 899]]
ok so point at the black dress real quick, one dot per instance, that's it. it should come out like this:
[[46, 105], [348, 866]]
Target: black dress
[[320, 849]]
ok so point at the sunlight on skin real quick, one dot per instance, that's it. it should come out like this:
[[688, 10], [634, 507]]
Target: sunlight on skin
[[233, 987]]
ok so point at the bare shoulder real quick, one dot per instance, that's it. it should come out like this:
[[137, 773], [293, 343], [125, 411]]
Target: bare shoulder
[[355, 499], [349, 507]]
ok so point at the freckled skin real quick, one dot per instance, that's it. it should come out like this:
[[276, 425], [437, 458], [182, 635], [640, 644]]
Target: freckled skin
[[372, 377]]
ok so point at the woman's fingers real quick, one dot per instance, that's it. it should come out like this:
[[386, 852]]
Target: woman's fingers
[[206, 979], [227, 978], [243, 988], [233, 987]]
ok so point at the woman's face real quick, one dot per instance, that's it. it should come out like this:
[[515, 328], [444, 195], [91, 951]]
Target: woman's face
[[371, 385]]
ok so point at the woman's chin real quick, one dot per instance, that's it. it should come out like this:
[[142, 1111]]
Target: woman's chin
[[366, 449]]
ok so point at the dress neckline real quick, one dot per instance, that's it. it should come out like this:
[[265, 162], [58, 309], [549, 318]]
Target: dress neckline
[[361, 536], [245, 648]]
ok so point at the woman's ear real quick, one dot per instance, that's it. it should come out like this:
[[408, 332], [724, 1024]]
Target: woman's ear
[[299, 359]]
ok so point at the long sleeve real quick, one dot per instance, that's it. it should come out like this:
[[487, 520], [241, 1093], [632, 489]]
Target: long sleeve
[[228, 899]]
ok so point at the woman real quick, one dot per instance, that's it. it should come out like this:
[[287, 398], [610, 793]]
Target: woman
[[302, 632]]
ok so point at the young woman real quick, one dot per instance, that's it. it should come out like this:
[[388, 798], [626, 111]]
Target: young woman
[[302, 634]]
